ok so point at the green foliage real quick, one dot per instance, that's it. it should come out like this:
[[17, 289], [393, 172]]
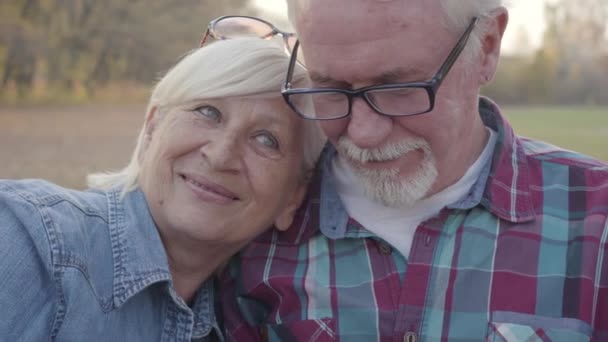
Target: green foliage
[[570, 66], [78, 50], [80, 46]]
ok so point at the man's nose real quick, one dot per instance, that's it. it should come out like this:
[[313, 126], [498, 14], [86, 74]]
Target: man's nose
[[366, 128]]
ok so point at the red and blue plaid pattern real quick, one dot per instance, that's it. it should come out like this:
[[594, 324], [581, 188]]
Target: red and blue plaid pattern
[[526, 260]]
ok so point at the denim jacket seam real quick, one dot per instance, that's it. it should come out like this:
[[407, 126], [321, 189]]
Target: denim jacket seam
[[116, 224], [55, 247], [141, 281], [50, 200], [61, 303], [72, 262], [60, 258], [24, 195], [88, 211], [51, 239]]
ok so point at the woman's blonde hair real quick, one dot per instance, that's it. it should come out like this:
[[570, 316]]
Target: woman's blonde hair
[[227, 68]]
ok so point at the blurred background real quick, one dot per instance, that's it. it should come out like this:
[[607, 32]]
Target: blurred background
[[75, 75]]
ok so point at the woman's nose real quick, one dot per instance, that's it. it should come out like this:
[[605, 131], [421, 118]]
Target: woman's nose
[[222, 152]]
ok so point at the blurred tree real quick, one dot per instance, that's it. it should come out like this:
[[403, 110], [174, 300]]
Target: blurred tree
[[84, 44], [569, 67], [573, 47]]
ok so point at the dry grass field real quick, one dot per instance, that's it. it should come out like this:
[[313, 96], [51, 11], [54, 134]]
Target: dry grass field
[[64, 144]]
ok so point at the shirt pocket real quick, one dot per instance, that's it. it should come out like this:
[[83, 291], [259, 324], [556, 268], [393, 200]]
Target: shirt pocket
[[508, 326], [313, 330]]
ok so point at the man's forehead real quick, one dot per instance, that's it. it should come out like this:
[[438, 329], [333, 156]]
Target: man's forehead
[[411, 73], [367, 8], [307, 4], [368, 17], [385, 42]]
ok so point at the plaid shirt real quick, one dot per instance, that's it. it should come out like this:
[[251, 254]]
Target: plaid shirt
[[523, 258]]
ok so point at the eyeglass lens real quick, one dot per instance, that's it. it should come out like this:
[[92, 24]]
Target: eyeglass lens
[[237, 26], [231, 27], [331, 104]]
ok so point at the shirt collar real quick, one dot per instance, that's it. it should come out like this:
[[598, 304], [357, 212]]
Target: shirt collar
[[140, 259], [139, 256], [507, 185], [323, 210], [333, 216]]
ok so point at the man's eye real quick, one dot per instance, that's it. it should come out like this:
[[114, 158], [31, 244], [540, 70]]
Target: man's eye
[[267, 140], [209, 112]]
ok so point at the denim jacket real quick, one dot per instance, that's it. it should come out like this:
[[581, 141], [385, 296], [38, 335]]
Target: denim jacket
[[89, 266]]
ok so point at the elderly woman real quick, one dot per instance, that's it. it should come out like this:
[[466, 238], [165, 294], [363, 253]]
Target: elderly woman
[[220, 158]]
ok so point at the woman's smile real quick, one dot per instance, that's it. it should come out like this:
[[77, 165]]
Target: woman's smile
[[209, 191]]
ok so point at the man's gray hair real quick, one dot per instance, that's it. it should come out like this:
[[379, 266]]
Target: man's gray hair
[[457, 14]]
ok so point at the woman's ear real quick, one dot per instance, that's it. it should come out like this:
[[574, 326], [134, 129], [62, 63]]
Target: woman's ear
[[285, 218], [149, 127], [151, 120]]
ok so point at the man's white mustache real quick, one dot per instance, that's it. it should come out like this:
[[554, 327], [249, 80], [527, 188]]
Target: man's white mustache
[[348, 149]]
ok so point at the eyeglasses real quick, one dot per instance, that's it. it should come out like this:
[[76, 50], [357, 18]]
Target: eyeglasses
[[394, 99], [233, 26]]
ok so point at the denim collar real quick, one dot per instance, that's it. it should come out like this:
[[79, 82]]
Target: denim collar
[[140, 259]]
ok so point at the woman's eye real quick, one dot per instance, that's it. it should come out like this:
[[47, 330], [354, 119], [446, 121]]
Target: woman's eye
[[209, 112], [267, 140]]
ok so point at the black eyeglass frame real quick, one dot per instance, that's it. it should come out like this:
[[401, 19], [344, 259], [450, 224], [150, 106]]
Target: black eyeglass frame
[[274, 32], [431, 86]]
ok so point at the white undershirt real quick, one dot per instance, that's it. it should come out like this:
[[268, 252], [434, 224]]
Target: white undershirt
[[397, 225]]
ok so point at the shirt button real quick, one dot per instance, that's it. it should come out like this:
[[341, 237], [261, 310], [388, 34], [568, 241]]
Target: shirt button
[[385, 249], [410, 337], [263, 333], [427, 240]]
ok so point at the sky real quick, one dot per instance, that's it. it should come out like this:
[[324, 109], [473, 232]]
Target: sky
[[526, 15]]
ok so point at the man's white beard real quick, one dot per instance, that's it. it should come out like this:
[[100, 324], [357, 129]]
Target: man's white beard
[[385, 185]]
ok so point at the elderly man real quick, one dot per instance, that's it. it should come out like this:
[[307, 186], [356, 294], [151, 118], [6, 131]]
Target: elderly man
[[429, 219]]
